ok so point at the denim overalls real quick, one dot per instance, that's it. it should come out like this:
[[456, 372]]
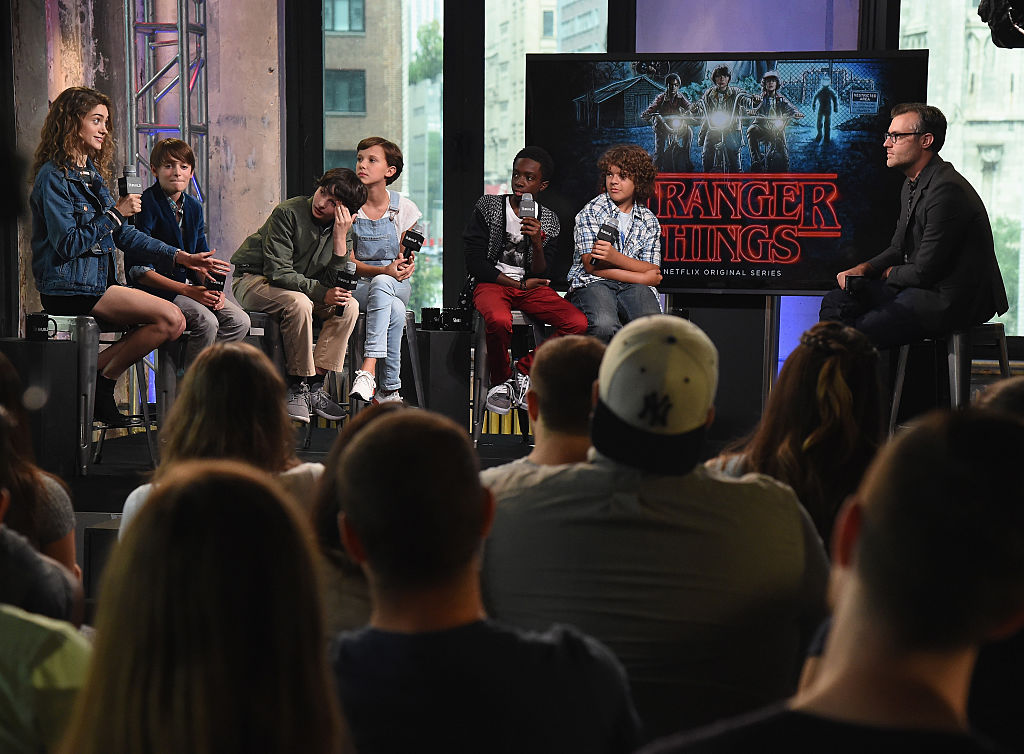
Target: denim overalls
[[381, 297]]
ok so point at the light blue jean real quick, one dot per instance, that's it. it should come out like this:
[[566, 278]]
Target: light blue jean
[[384, 301], [610, 304]]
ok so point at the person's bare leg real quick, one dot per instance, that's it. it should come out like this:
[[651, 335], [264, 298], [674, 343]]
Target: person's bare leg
[[160, 322], [369, 365]]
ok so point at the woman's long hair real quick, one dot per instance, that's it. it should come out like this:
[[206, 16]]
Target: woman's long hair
[[823, 422], [18, 473], [209, 635], [231, 404], [59, 141]]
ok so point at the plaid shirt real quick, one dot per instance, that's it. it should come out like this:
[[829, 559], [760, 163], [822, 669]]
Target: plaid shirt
[[643, 241]]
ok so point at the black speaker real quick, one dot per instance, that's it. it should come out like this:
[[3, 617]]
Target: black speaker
[[49, 374], [445, 358]]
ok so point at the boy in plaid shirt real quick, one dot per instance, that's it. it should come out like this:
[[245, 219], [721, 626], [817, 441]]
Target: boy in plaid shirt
[[612, 283]]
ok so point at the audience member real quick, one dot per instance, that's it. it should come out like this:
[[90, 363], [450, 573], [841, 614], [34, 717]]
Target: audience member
[[209, 635], [28, 579], [77, 227], [508, 258], [346, 596], [42, 664], [205, 422], [431, 671], [928, 565], [559, 401], [41, 507], [289, 268], [169, 213], [706, 587], [822, 425], [1005, 397]]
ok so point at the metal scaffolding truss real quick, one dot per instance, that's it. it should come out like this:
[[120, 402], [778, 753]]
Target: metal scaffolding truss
[[165, 44]]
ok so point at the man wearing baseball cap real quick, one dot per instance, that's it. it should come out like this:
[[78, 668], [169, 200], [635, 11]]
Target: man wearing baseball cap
[[707, 588]]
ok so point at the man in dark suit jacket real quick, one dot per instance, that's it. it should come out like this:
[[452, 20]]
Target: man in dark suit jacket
[[939, 273], [173, 216]]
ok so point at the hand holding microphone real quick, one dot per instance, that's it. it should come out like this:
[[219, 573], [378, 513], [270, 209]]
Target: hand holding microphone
[[412, 241], [340, 284], [130, 188]]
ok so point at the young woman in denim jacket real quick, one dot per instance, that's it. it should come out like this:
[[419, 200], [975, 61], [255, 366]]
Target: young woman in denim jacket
[[76, 225]]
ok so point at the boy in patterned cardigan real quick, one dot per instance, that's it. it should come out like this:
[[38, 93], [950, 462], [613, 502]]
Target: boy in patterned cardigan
[[507, 258]]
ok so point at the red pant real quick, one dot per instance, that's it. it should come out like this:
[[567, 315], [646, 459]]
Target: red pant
[[495, 303]]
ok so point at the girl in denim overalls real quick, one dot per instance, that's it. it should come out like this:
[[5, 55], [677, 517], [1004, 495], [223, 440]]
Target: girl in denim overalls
[[385, 271]]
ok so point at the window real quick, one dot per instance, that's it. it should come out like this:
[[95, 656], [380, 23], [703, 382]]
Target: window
[[345, 91], [339, 158], [549, 24], [344, 15]]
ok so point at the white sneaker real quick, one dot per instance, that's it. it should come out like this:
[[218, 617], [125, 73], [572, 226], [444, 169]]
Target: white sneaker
[[298, 402], [385, 396], [522, 384], [363, 386]]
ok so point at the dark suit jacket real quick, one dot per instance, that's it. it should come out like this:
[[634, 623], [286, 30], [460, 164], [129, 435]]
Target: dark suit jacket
[[157, 220], [942, 257]]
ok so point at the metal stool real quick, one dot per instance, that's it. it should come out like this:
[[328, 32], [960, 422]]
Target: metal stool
[[479, 395], [959, 345]]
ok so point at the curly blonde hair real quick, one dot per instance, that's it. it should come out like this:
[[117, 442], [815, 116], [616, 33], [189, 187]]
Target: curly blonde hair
[[634, 163], [59, 142]]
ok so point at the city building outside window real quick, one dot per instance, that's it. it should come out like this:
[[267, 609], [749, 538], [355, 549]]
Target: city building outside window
[[345, 91], [344, 15]]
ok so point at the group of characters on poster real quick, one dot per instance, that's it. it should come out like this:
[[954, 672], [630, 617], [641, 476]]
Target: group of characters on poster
[[718, 114]]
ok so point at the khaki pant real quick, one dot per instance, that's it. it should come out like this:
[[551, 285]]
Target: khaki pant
[[295, 310]]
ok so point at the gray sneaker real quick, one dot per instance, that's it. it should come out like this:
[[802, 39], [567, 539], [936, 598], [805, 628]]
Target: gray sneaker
[[323, 405], [521, 383], [385, 396], [298, 402]]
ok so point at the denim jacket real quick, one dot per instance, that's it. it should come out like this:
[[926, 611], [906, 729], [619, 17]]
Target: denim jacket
[[74, 232]]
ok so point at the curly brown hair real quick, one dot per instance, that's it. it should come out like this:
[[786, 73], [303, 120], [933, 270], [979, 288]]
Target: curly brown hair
[[634, 163], [59, 141]]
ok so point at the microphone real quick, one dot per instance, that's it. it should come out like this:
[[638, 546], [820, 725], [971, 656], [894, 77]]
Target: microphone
[[527, 206], [609, 230], [413, 240], [344, 278], [129, 183]]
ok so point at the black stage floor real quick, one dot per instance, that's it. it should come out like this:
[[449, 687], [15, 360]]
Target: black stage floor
[[126, 465]]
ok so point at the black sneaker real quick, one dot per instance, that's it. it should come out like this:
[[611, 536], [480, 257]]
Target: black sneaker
[[105, 411]]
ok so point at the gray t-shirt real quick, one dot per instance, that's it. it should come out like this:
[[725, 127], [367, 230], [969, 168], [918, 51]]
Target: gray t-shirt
[[707, 588]]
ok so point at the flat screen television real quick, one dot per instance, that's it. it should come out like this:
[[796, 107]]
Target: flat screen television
[[780, 213]]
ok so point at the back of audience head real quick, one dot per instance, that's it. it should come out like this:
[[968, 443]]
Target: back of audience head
[[824, 419], [12, 398], [940, 550], [205, 421], [655, 395], [561, 383], [209, 632], [423, 527], [20, 482], [1005, 397], [328, 500]]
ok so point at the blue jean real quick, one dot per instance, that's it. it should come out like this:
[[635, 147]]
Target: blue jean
[[384, 299], [609, 305]]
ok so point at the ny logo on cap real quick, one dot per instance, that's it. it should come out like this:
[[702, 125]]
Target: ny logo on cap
[[655, 409]]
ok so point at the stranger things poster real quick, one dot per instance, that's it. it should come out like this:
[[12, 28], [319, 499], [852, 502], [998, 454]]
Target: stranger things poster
[[772, 174]]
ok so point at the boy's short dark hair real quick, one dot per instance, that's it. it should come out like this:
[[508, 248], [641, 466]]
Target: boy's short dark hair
[[673, 77], [344, 185], [419, 528], [541, 156], [174, 149], [930, 119], [941, 546], [722, 70], [392, 153], [635, 163], [562, 377]]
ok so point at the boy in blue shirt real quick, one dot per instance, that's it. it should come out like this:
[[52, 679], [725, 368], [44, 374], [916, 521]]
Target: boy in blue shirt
[[173, 216]]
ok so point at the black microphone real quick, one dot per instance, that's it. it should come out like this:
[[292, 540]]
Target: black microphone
[[413, 240], [129, 183], [527, 206], [344, 278], [609, 230]]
